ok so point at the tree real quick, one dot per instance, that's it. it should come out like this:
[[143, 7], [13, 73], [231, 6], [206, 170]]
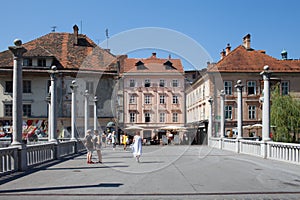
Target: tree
[[285, 116]]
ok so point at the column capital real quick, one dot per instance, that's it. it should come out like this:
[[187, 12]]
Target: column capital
[[73, 86], [17, 50], [266, 73], [239, 85], [222, 94], [210, 100], [95, 99], [86, 93]]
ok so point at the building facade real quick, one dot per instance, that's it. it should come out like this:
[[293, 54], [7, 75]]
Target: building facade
[[76, 57], [153, 95], [245, 63]]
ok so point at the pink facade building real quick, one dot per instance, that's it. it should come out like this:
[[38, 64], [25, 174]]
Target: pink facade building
[[153, 95]]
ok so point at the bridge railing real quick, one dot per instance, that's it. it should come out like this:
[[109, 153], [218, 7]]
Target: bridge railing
[[284, 151], [15, 158], [9, 160], [287, 152]]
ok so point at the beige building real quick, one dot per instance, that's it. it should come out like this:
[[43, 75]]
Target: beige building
[[76, 57], [245, 63], [153, 95]]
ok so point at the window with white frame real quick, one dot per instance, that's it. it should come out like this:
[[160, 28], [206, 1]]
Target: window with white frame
[[147, 117], [175, 117], [42, 62], [132, 116], [89, 85], [284, 87], [8, 86], [175, 83], [8, 110], [147, 99], [162, 99], [147, 83], [228, 87], [162, 83], [27, 110], [27, 62], [132, 99], [251, 87], [228, 112], [175, 99], [252, 112], [162, 117], [26, 86], [131, 83]]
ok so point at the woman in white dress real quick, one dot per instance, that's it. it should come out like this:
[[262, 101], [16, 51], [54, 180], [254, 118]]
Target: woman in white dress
[[137, 146]]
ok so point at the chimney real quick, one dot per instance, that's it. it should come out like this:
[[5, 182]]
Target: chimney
[[75, 29], [223, 54], [228, 49], [284, 55], [246, 41], [153, 55], [170, 57]]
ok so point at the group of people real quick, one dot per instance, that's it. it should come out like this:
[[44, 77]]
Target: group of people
[[94, 142]]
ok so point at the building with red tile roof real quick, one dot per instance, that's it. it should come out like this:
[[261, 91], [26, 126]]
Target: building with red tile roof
[[245, 63], [76, 56], [153, 95]]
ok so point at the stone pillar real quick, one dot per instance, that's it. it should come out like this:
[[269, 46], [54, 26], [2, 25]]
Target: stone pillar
[[210, 120], [73, 87], [86, 111], [48, 99], [17, 107], [222, 125], [53, 115], [266, 104], [95, 112], [239, 88]]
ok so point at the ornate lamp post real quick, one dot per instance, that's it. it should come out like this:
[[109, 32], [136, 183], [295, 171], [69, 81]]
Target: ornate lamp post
[[73, 87], [86, 112], [53, 110], [266, 104], [210, 120], [95, 112], [222, 127], [17, 107], [239, 88]]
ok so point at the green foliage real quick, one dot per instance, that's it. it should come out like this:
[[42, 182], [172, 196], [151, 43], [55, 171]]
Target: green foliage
[[285, 116]]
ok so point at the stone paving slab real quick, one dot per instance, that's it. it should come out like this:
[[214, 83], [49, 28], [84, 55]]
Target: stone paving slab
[[165, 172]]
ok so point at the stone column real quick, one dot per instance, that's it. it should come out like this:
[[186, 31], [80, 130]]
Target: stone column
[[95, 112], [17, 107], [86, 111], [53, 110], [266, 104], [210, 120], [48, 99], [222, 125], [73, 87], [239, 88]]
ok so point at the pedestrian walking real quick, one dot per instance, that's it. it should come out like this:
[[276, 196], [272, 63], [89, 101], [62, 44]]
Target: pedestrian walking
[[125, 141], [88, 143], [137, 146], [97, 145], [114, 140], [103, 138]]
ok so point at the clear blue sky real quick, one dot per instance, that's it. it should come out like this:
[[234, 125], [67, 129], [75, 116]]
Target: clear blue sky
[[274, 25]]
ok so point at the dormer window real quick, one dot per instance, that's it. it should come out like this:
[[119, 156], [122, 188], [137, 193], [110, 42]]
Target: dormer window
[[140, 65], [169, 65], [42, 62], [27, 62]]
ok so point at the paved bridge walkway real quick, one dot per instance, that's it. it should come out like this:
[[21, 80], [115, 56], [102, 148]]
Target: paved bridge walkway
[[165, 172]]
